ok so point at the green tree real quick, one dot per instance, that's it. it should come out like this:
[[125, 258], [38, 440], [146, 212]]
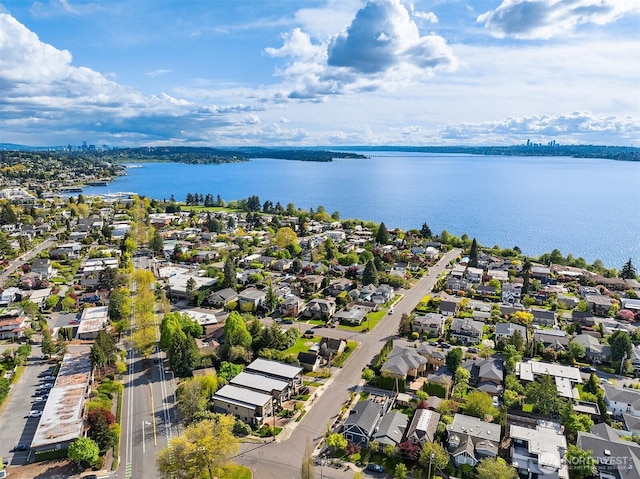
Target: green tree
[[495, 468], [400, 471], [182, 354], [285, 236], [336, 442], [577, 350], [382, 236], [593, 385], [84, 450], [67, 304], [581, 463], [433, 455], [120, 304], [201, 452], [192, 399], [473, 254], [543, 394], [229, 274], [628, 271], [236, 333], [48, 346], [368, 374], [100, 422], [370, 274], [453, 360], [621, 345], [425, 231], [511, 398], [156, 243], [511, 357], [480, 404]]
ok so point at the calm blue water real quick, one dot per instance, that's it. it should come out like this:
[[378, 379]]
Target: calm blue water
[[587, 207]]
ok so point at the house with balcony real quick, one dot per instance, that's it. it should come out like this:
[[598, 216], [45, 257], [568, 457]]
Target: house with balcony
[[277, 370], [430, 325], [251, 407], [466, 330], [469, 440], [539, 452]]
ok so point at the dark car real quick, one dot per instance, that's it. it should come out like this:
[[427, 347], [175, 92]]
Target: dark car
[[20, 447], [473, 350], [373, 467], [445, 345], [309, 332], [588, 369]]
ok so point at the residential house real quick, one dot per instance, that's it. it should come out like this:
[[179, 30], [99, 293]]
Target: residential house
[[443, 378], [435, 356], [506, 330], [353, 315], [285, 372], [332, 346], [544, 317], [615, 458], [404, 362], [13, 323], [8, 296], [539, 452], [249, 406], [251, 299], [309, 360], [448, 308], [621, 400], [363, 419], [486, 290], [469, 439], [473, 274], [466, 330], [423, 426], [457, 284], [594, 350], [320, 309], [42, 267], [383, 294], [499, 274], [565, 377], [391, 428], [263, 384], [540, 272], [599, 304], [292, 306], [631, 424], [338, 286], [552, 338], [486, 374], [430, 325], [222, 298]]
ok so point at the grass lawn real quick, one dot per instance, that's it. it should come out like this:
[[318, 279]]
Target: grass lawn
[[370, 322], [302, 345], [236, 471]]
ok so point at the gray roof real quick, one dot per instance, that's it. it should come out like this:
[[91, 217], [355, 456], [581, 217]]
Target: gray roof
[[474, 427], [402, 359], [259, 382], [424, 425], [631, 422], [466, 325], [616, 452], [365, 415], [622, 395], [241, 395], [507, 329], [274, 368], [391, 428]]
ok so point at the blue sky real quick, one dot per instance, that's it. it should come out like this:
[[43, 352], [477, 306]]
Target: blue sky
[[331, 72]]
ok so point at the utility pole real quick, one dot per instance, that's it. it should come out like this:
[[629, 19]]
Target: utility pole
[[431, 458]]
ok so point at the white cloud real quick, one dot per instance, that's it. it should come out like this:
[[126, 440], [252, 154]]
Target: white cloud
[[381, 49], [160, 71], [543, 19]]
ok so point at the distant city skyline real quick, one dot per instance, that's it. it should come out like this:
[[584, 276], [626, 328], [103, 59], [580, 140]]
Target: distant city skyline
[[330, 72]]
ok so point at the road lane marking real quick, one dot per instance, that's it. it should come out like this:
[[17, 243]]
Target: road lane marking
[[153, 416]]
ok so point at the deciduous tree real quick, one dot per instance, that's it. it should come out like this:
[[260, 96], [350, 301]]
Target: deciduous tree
[[435, 455], [495, 468], [543, 394], [84, 450]]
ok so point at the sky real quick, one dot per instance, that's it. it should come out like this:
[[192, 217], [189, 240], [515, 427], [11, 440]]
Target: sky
[[319, 72]]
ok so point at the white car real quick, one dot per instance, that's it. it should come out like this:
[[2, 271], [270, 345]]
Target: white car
[[39, 399], [496, 401], [35, 413]]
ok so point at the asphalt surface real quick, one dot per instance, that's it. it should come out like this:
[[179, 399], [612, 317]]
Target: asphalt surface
[[282, 459]]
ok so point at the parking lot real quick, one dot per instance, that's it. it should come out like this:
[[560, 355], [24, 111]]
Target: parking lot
[[16, 427]]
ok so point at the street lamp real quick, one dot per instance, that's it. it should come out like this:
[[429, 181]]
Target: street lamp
[[431, 458]]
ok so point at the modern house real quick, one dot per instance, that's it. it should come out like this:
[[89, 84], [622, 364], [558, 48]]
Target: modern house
[[565, 377], [430, 325], [251, 299], [540, 451], [423, 426], [284, 372], [466, 330], [263, 384], [469, 439], [252, 407], [93, 320]]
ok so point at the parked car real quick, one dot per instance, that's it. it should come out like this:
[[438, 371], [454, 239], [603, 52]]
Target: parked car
[[496, 401], [20, 447], [472, 350], [373, 467], [35, 413], [588, 369], [309, 332], [39, 399], [445, 345]]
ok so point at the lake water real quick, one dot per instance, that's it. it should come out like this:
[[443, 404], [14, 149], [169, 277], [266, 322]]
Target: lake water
[[587, 207]]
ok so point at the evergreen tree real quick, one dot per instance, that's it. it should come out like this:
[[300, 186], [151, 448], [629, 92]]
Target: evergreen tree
[[370, 274], [628, 270], [526, 273], [382, 236], [182, 354], [425, 231], [229, 280], [473, 254]]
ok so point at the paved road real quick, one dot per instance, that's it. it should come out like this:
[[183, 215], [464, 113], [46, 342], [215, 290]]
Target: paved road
[[282, 459], [26, 257]]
